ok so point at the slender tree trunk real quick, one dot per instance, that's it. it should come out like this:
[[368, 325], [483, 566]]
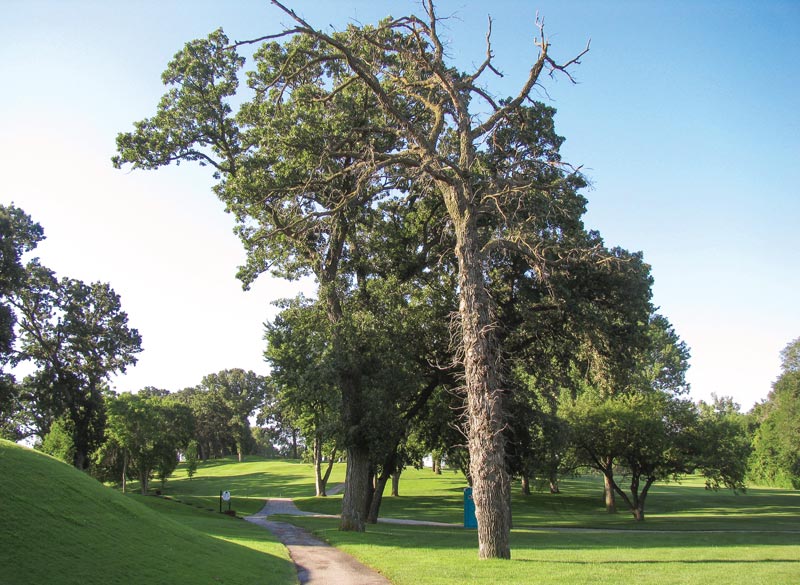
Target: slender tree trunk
[[124, 470], [327, 475], [294, 444], [485, 416], [609, 496], [320, 486], [396, 483], [377, 497], [144, 478], [526, 486]]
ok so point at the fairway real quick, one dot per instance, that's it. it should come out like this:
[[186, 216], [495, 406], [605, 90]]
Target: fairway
[[691, 535]]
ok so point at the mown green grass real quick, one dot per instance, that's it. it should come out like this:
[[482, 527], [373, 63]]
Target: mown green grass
[[432, 555], [250, 482], [59, 526], [65, 528]]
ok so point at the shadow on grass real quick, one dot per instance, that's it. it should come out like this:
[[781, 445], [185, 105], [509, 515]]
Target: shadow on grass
[[442, 538], [663, 562], [257, 484]]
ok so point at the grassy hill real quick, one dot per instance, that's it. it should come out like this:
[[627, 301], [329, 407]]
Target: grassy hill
[[60, 526]]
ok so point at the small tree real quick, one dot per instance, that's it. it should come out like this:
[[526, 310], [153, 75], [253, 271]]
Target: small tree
[[190, 454], [652, 436]]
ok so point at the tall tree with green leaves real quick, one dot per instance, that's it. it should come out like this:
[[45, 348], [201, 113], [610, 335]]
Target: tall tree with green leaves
[[340, 119], [775, 459], [306, 396], [242, 393], [441, 130], [19, 234], [77, 335]]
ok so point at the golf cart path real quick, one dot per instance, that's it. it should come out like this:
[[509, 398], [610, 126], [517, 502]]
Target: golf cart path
[[317, 562]]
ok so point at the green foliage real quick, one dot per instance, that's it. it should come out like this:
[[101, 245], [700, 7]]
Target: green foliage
[[77, 336], [240, 393], [58, 442], [148, 429], [190, 454], [776, 441], [19, 234], [725, 444]]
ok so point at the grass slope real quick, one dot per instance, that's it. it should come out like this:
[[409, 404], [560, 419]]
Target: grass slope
[[59, 526], [249, 482]]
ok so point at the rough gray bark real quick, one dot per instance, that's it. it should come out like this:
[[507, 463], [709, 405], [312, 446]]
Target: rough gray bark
[[357, 491], [485, 416]]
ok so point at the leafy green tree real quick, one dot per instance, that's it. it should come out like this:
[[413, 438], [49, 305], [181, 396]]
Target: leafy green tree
[[19, 234], [725, 447], [775, 459], [190, 453], [378, 109], [58, 442], [78, 336], [306, 397], [574, 331], [242, 393], [149, 429], [211, 414], [650, 431], [648, 434]]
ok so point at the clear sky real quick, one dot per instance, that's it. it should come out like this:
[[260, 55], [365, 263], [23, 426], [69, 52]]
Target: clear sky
[[685, 119]]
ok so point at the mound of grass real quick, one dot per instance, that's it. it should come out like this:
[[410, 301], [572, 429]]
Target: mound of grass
[[60, 526], [250, 482]]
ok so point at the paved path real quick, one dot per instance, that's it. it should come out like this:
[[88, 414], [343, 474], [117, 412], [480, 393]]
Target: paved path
[[317, 562]]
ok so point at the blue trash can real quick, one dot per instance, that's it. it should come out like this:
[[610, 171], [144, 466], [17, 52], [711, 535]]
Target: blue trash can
[[470, 520]]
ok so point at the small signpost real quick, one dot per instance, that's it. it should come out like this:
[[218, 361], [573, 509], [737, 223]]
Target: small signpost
[[224, 497]]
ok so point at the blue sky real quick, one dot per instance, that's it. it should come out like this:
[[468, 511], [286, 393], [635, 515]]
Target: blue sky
[[685, 119]]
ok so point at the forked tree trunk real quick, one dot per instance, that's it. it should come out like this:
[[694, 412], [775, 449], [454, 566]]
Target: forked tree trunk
[[485, 416], [387, 471]]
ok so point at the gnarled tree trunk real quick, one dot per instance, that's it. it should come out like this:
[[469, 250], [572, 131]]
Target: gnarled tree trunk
[[485, 416]]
